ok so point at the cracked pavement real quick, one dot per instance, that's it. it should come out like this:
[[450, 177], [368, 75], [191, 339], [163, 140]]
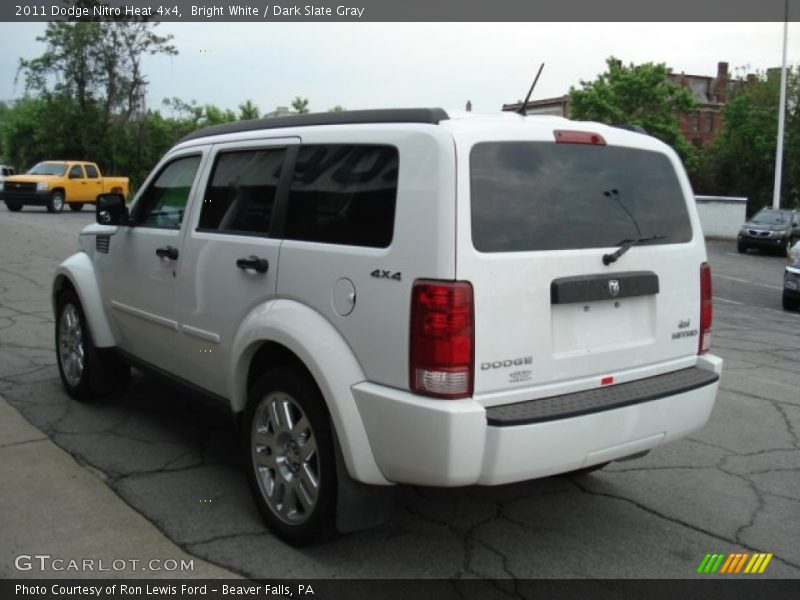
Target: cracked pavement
[[733, 486]]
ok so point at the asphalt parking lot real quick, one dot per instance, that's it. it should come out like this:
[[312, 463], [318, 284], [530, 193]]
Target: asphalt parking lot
[[733, 486]]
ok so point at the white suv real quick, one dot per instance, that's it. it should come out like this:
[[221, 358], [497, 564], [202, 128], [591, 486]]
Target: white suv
[[404, 296]]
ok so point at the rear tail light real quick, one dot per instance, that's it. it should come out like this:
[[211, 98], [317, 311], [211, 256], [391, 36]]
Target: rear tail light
[[706, 310], [569, 136], [442, 339]]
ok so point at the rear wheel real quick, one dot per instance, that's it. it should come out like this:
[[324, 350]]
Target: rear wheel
[[85, 372], [14, 206], [790, 303], [75, 206], [56, 203], [289, 454], [587, 470]]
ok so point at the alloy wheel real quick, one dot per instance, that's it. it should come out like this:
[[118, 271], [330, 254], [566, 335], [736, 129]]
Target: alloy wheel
[[285, 458], [71, 349]]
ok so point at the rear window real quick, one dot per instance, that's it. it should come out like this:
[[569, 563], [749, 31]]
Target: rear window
[[545, 196]]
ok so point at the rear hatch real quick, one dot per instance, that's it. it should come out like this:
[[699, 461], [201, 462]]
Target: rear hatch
[[536, 219]]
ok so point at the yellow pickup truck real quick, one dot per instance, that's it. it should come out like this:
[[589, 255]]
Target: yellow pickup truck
[[54, 183]]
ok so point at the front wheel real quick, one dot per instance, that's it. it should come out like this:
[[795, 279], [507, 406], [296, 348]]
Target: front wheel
[[13, 206], [85, 372], [290, 457], [75, 206], [56, 203], [790, 303]]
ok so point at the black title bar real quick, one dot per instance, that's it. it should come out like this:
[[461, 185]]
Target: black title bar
[[404, 10]]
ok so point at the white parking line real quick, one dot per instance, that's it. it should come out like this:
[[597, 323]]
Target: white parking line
[[728, 301], [769, 287]]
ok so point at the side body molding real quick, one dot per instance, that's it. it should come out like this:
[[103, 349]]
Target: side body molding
[[79, 271], [332, 364]]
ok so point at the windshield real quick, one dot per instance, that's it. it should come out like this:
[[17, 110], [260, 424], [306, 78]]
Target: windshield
[[544, 196], [770, 217], [46, 168]]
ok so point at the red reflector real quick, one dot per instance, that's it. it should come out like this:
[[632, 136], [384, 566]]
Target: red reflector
[[706, 309], [606, 381], [442, 334], [568, 136]]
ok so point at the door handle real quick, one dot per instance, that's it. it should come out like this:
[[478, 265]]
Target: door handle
[[167, 252], [260, 265]]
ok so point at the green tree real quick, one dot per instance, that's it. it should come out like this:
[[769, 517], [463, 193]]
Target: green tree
[[636, 95], [95, 68], [741, 161], [337, 108], [300, 105], [248, 110]]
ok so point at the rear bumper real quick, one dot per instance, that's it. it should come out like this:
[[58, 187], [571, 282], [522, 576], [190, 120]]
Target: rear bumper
[[421, 441], [38, 198]]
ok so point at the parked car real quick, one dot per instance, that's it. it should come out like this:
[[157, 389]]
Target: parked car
[[791, 279], [769, 229], [404, 296], [56, 182]]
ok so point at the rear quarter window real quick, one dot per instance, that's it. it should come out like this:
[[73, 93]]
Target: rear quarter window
[[529, 196], [343, 194]]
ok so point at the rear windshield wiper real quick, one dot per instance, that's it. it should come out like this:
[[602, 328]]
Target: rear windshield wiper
[[625, 245]]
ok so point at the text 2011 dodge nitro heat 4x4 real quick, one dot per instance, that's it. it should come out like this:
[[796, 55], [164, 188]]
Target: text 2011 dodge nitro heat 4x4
[[404, 296]]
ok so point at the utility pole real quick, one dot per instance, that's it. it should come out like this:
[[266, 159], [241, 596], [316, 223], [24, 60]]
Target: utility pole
[[776, 194]]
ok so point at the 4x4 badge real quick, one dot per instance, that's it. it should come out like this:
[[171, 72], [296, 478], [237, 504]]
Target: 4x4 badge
[[613, 287], [381, 274]]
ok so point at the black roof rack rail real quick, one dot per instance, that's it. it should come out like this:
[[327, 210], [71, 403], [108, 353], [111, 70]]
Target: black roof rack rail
[[347, 117]]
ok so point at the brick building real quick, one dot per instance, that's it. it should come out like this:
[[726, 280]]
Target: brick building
[[699, 127]]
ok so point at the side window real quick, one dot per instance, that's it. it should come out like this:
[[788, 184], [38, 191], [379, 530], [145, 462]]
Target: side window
[[91, 172], [343, 194], [76, 172], [240, 196], [163, 203]]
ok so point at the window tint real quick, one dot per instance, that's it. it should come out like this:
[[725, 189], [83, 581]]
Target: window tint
[[162, 204], [91, 172], [546, 196], [343, 194], [241, 192], [76, 172], [769, 216]]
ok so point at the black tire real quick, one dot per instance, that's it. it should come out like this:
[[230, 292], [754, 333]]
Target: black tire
[[741, 248], [790, 303], [56, 203], [100, 373], [587, 470], [13, 206], [283, 471], [76, 206]]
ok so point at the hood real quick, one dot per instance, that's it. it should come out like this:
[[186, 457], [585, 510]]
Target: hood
[[766, 226], [25, 177]]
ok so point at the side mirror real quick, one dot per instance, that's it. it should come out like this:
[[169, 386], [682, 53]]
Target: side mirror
[[111, 210]]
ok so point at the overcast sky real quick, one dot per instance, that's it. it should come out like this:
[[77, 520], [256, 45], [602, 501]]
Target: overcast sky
[[377, 65]]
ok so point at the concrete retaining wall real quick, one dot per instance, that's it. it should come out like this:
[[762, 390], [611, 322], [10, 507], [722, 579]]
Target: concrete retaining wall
[[721, 216]]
